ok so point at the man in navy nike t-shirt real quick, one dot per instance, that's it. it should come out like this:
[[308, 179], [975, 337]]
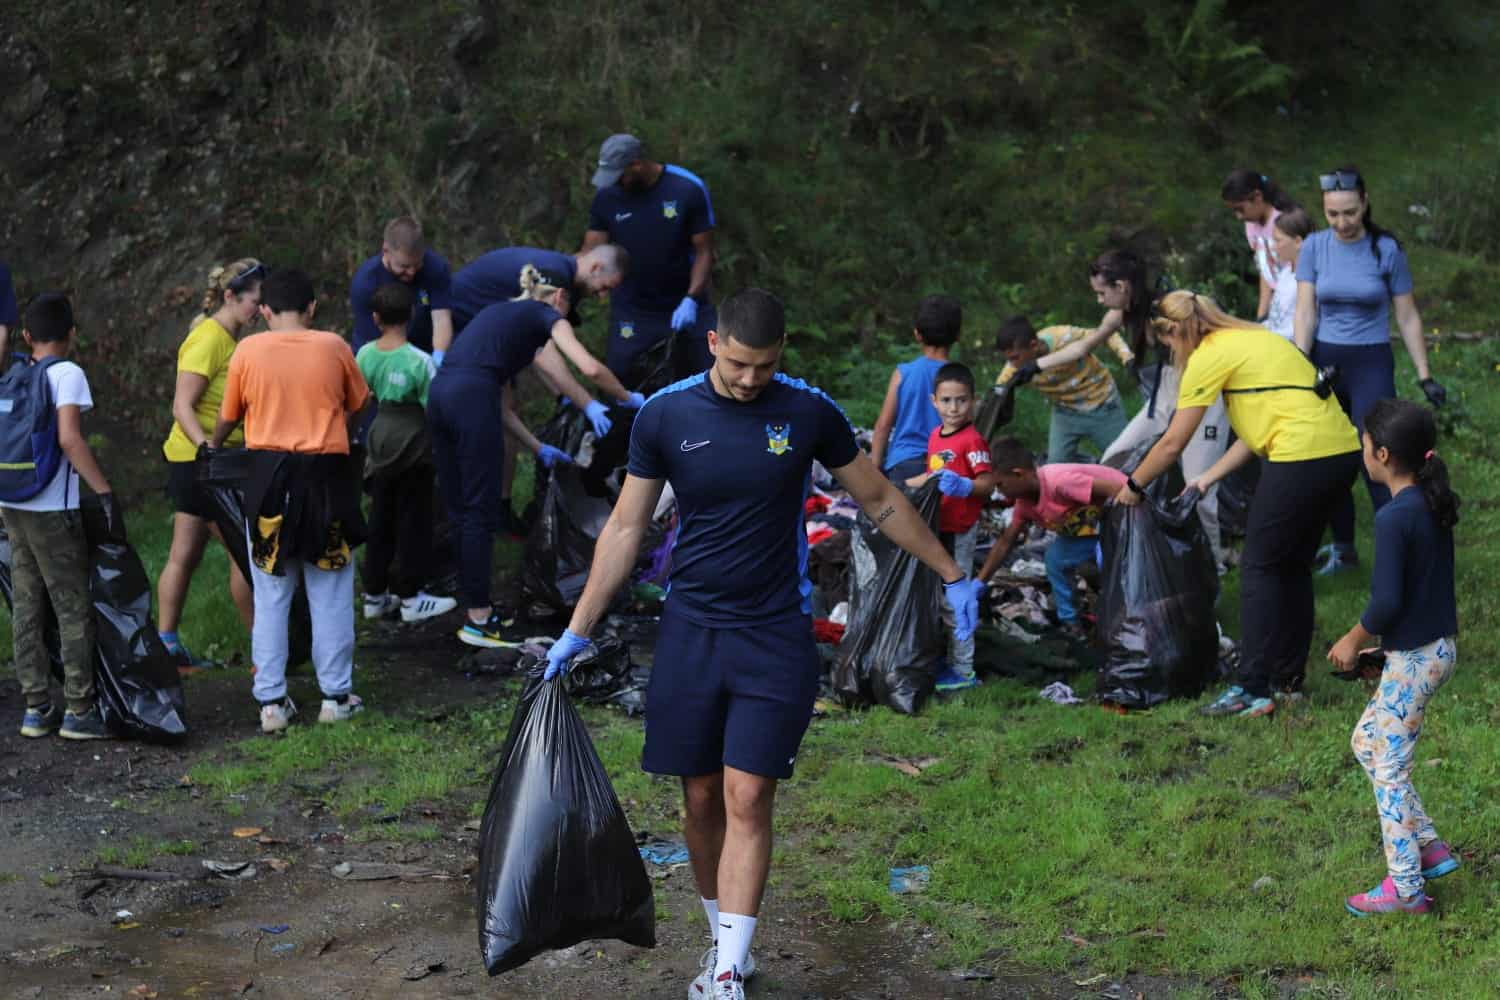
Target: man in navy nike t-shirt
[[662, 215], [494, 277], [404, 256], [736, 669]]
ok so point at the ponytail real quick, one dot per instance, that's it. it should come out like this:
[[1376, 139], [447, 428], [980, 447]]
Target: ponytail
[[538, 284], [1409, 432], [1242, 183]]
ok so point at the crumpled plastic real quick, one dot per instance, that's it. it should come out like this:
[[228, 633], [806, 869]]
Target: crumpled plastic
[[893, 647], [1060, 694], [558, 863], [1156, 605]]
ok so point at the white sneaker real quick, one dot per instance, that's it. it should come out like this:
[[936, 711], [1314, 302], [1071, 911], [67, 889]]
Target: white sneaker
[[703, 986], [332, 711], [277, 716], [380, 605], [424, 606], [729, 986]]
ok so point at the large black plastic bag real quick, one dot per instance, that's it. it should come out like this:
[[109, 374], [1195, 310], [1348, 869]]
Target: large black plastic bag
[[558, 863], [139, 690], [894, 646], [996, 411], [1156, 603]]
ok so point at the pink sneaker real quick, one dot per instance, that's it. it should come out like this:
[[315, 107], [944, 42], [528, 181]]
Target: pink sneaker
[[1383, 899], [1437, 860]]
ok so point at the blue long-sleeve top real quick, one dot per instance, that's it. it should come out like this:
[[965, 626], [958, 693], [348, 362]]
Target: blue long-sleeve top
[[1411, 590]]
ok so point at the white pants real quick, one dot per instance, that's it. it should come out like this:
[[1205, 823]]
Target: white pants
[[1209, 443], [330, 598]]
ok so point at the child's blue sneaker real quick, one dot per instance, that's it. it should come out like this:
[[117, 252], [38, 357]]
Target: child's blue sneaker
[[952, 680], [42, 720]]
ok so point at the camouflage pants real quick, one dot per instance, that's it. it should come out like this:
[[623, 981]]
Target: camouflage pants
[[50, 568]]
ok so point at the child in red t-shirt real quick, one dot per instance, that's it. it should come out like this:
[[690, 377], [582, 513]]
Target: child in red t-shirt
[[959, 456]]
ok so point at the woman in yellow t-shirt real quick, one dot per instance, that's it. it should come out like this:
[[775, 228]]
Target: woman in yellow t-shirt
[[230, 307], [1309, 455]]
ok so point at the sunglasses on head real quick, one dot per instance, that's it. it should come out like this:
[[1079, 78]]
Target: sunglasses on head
[[240, 280], [1339, 180]]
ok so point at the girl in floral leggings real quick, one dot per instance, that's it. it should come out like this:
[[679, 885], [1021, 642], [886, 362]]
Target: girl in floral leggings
[[1413, 611]]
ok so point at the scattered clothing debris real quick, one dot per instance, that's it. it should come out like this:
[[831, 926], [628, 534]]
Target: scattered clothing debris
[[1060, 694]]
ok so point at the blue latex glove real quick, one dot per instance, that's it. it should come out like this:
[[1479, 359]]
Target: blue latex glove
[[550, 456], [686, 313], [560, 656], [963, 598], [951, 484], [635, 402], [598, 416], [437, 357]]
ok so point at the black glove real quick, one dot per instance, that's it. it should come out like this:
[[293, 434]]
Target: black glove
[[1436, 394], [1025, 373], [114, 517]]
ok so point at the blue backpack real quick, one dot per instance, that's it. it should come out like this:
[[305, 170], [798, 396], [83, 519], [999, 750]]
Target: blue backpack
[[30, 453]]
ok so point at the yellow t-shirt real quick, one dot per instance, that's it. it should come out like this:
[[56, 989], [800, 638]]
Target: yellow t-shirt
[[206, 351], [1281, 424]]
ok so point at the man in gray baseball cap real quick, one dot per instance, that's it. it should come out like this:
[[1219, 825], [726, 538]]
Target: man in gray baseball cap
[[662, 216]]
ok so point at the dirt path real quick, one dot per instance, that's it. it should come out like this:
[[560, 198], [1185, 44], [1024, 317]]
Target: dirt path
[[63, 806]]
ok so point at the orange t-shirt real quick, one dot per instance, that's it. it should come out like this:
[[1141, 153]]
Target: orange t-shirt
[[294, 389]]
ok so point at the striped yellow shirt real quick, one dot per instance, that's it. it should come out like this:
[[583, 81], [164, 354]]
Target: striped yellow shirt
[[1083, 385]]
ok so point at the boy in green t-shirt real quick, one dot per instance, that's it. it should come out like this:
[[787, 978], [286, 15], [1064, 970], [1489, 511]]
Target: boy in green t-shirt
[[398, 465]]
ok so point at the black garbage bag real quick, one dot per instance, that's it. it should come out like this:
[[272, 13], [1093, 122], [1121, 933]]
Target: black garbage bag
[[894, 646], [1156, 603], [222, 474], [139, 689], [996, 411], [558, 863]]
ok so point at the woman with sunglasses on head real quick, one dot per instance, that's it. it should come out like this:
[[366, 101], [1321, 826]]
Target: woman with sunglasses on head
[[1349, 277], [230, 305], [1309, 454]]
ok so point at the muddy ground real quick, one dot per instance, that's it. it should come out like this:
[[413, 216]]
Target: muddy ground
[[62, 804]]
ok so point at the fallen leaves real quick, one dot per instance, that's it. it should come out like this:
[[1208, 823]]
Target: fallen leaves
[[909, 766], [246, 832]]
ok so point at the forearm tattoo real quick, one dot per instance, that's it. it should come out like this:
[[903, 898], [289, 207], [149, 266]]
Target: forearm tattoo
[[885, 514]]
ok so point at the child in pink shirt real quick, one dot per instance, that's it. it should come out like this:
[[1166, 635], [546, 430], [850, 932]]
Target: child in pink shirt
[[1064, 498]]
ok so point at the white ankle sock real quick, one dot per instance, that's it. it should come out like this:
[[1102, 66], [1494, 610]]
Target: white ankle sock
[[711, 910], [735, 932]]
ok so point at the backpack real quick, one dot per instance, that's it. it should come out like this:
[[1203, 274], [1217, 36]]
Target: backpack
[[30, 453]]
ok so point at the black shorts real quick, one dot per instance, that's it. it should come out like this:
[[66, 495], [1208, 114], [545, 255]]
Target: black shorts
[[183, 490], [740, 697]]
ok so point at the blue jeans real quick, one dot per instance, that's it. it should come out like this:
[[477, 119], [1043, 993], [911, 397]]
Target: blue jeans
[[1065, 554]]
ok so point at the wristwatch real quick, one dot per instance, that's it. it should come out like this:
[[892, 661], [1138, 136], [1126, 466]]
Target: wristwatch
[[1135, 487]]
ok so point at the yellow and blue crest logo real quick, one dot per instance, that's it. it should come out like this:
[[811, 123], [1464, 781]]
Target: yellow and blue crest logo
[[627, 330], [669, 209], [422, 298], [778, 438]]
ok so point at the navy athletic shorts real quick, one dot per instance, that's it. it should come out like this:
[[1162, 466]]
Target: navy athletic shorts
[[736, 697]]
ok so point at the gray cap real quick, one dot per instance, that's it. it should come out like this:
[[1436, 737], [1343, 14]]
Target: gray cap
[[615, 154]]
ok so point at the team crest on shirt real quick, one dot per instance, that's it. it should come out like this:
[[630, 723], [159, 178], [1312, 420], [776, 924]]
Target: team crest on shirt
[[669, 210], [778, 438], [422, 298], [939, 459], [627, 330]]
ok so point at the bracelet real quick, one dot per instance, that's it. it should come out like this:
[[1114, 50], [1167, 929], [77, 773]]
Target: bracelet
[[1135, 487]]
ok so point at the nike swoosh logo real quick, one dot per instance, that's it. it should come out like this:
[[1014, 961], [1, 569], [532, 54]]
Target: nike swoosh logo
[[622, 216], [692, 447]]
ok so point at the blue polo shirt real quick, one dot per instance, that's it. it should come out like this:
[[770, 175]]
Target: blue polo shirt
[[501, 341], [740, 472], [8, 316], [494, 277], [657, 227], [430, 286], [1354, 286]]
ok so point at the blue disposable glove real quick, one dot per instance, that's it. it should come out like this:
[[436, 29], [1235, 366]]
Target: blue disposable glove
[[560, 656], [550, 456], [437, 357], [598, 416], [686, 313], [635, 402], [963, 598], [951, 484]]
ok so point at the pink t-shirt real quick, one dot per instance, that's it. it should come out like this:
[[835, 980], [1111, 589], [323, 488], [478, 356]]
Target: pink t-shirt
[[1261, 237], [1065, 504]]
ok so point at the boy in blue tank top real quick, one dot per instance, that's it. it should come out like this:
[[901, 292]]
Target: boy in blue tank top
[[908, 416]]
